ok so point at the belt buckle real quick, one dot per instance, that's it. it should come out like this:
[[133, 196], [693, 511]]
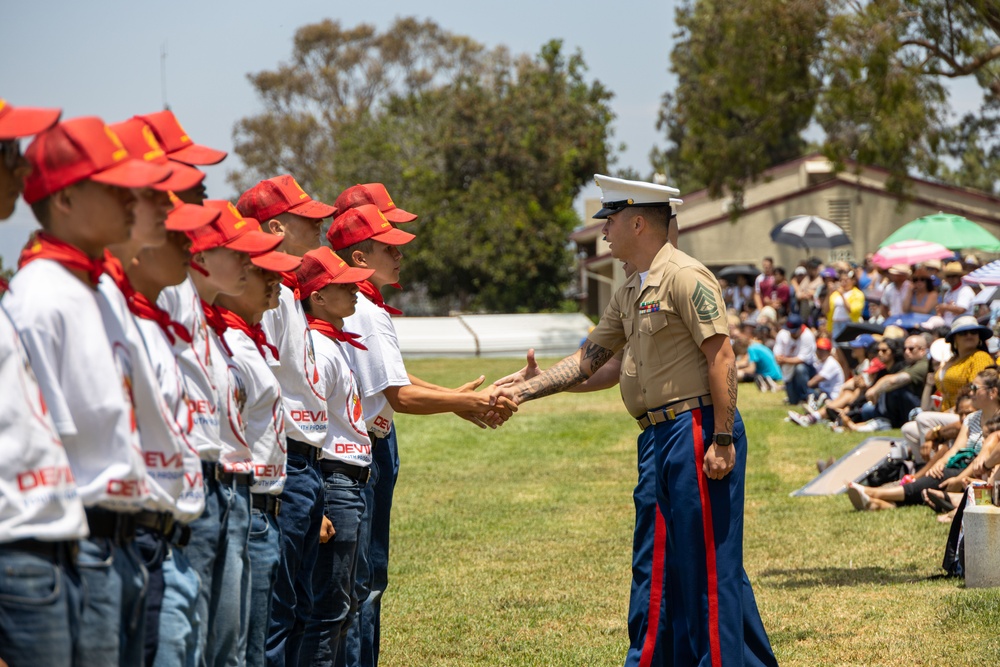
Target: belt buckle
[[368, 474], [277, 507], [670, 414]]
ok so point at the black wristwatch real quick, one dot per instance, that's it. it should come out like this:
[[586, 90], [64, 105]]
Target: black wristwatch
[[723, 439]]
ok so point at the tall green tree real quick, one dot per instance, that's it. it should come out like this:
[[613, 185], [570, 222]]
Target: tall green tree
[[490, 149], [745, 91]]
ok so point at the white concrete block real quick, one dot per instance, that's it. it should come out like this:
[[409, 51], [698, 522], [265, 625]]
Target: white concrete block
[[982, 546]]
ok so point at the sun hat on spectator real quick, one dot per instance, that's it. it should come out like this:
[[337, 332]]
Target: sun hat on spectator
[[17, 122], [799, 271], [829, 272], [954, 269], [968, 323], [892, 331], [899, 270], [932, 264], [971, 260]]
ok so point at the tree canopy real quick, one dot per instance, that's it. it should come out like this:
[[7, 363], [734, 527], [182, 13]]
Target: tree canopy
[[869, 75], [489, 148]]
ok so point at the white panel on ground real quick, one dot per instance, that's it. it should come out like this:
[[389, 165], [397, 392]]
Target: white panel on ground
[[491, 335]]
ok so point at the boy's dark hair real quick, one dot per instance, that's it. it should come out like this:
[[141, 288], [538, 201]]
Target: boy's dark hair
[[41, 210]]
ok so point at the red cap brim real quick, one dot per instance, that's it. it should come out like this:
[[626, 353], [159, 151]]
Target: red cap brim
[[132, 173], [313, 209], [399, 216], [353, 275], [254, 242], [276, 261], [196, 155], [183, 178], [394, 237], [26, 121], [188, 217]]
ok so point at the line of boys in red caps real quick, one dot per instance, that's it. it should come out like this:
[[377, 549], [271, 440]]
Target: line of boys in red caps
[[197, 442]]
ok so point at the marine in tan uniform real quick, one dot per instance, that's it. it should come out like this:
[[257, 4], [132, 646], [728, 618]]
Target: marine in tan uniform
[[678, 379]]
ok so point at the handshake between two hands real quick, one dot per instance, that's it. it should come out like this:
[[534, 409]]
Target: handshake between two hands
[[498, 402]]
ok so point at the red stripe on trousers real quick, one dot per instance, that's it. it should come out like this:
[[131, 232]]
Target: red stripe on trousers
[[706, 521], [655, 592]]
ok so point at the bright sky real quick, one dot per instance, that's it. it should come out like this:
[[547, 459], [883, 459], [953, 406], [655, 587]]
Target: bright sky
[[102, 57]]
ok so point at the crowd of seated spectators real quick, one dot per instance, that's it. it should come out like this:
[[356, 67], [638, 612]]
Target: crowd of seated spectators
[[858, 349]]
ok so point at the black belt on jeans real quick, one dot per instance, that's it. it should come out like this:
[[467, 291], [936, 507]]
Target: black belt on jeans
[[360, 474], [214, 470], [266, 503], [166, 526], [51, 551], [116, 526], [311, 452]]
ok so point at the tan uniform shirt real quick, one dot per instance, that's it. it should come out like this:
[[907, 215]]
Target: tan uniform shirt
[[664, 324]]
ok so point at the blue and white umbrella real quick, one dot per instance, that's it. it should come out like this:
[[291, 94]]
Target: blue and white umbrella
[[809, 231], [984, 276]]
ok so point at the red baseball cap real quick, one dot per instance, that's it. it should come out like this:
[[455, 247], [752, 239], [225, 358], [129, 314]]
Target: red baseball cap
[[82, 148], [372, 193], [824, 344], [185, 217], [364, 222], [16, 122], [277, 261], [322, 267], [141, 144], [231, 230], [177, 143], [281, 194]]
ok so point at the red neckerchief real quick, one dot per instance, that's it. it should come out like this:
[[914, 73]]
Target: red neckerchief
[[370, 291], [46, 246], [139, 304], [255, 332], [291, 280], [333, 333], [214, 318]]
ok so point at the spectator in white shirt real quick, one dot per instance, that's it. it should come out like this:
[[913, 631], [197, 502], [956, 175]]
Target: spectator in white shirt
[[957, 300], [795, 350], [898, 292]]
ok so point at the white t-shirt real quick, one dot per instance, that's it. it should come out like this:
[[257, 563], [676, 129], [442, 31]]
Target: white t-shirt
[[840, 312], [347, 435], [38, 497], [804, 348], [301, 395], [264, 417], [232, 390], [162, 447], [191, 501], [184, 306], [894, 297], [833, 377], [84, 366], [963, 296], [378, 367]]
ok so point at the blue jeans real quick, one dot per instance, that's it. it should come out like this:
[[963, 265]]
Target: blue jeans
[[265, 550], [335, 600], [300, 520], [362, 643], [798, 386], [112, 625], [218, 553], [152, 548], [39, 609], [179, 621]]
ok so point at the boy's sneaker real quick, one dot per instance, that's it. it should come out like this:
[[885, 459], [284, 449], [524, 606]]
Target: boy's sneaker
[[761, 384], [801, 420]]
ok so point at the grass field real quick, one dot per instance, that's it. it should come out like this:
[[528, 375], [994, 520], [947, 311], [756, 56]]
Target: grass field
[[512, 547]]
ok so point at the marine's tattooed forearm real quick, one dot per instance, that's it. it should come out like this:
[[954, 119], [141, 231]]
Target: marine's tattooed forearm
[[732, 383], [567, 373]]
